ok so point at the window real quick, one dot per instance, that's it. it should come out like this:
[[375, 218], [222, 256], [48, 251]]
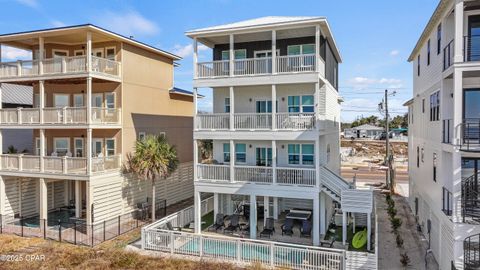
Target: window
[[78, 147], [418, 65], [423, 105], [61, 146], [301, 154], [328, 153], [418, 157], [226, 152], [110, 102], [78, 53], [439, 38], [434, 167], [78, 100], [422, 155], [263, 156], [301, 49], [61, 100], [110, 147], [293, 104], [240, 153], [306, 105], [227, 105], [447, 201], [141, 135], [59, 53], [110, 53], [428, 52], [36, 101], [435, 106], [37, 147], [238, 54]]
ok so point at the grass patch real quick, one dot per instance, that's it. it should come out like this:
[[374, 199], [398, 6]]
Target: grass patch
[[339, 236], [208, 219]]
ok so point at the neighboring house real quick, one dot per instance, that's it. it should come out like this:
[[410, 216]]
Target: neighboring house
[[275, 121], [444, 138], [17, 96], [363, 131], [95, 93]]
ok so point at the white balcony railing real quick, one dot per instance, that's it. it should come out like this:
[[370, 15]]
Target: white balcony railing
[[255, 121], [257, 66], [58, 165], [59, 65], [65, 115], [257, 174]]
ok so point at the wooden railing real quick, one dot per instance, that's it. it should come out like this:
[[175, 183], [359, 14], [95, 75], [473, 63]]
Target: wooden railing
[[295, 121], [59, 65], [252, 121], [213, 121], [213, 172], [296, 176], [54, 115], [257, 66]]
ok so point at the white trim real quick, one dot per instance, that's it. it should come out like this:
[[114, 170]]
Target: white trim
[[37, 140], [114, 146], [75, 146], [59, 50], [114, 52], [55, 139], [60, 94], [102, 50], [76, 51]]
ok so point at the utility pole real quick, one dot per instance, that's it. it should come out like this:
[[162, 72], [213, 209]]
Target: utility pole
[[387, 141]]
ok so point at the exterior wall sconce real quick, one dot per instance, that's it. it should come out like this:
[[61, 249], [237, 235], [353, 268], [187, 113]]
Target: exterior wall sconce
[[283, 99], [249, 146], [250, 99], [283, 146]]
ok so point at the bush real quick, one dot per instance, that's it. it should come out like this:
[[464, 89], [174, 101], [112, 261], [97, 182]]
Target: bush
[[399, 241], [405, 260], [388, 197], [392, 211], [395, 223]]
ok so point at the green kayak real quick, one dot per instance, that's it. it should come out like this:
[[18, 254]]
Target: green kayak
[[359, 239]]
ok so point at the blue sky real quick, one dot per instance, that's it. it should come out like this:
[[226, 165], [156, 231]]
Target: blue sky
[[375, 37]]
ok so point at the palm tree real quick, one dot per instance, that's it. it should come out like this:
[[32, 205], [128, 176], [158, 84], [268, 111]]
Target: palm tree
[[153, 158]]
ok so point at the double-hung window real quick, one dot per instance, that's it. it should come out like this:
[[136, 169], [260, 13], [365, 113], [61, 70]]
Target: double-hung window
[[439, 38], [226, 152], [294, 154], [435, 106], [307, 154], [227, 105], [61, 146], [301, 104], [307, 50], [110, 147], [301, 154], [240, 153], [78, 142], [428, 52], [418, 65]]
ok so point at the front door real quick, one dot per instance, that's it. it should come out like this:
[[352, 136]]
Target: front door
[[263, 106], [97, 147], [263, 156], [473, 42]]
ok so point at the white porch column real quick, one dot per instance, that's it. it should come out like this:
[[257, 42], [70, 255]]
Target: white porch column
[[195, 160], [275, 208], [78, 199], [369, 230], [229, 204], [457, 105], [89, 100], [253, 216], [232, 161], [1, 106], [317, 48], [195, 58], [89, 51], [43, 198], [232, 108], [195, 108], [41, 98], [316, 221], [215, 205], [344, 227], [274, 161], [66, 192], [457, 187], [274, 54], [41, 50], [459, 39], [89, 151], [316, 100], [42, 150], [323, 218], [232, 56], [2, 196], [266, 209], [317, 162], [274, 107], [197, 204], [89, 202]]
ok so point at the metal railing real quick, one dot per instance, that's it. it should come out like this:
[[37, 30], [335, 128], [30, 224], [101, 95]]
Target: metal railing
[[213, 172], [470, 134], [257, 66], [251, 121], [471, 48], [448, 53], [470, 199], [213, 121], [447, 131], [471, 252], [59, 65], [295, 121]]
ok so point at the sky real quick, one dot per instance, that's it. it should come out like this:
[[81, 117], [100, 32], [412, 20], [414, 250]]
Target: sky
[[375, 37]]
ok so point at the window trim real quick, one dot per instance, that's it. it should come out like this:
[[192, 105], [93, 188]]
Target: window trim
[[75, 148], [221, 54], [60, 50], [236, 159], [428, 52], [301, 48], [229, 154], [418, 65], [300, 105], [60, 94], [114, 53], [55, 139], [439, 38], [77, 51], [225, 105], [74, 100], [114, 146], [300, 154]]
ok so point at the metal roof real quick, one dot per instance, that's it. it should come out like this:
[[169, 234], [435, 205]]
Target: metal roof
[[368, 127], [17, 94], [180, 91]]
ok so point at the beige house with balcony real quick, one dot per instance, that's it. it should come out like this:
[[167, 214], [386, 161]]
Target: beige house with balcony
[[95, 93]]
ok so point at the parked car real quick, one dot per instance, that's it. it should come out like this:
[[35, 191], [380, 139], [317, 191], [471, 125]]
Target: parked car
[[383, 136]]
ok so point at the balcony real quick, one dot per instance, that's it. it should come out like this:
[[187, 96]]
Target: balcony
[[57, 165], [59, 116], [59, 66], [256, 121], [258, 174], [258, 66], [448, 53]]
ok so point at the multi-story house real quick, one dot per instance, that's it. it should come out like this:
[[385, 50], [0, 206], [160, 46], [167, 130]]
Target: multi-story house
[[444, 141], [95, 93], [275, 120]]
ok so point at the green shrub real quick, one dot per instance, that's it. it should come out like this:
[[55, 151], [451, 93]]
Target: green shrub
[[405, 260], [399, 241], [392, 211], [395, 223]]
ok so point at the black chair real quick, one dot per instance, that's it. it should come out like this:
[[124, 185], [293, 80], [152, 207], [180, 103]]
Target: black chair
[[233, 226], [219, 222], [306, 230], [269, 228], [287, 228], [171, 228]]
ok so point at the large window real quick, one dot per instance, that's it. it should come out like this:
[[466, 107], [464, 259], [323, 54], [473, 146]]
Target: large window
[[301, 49], [435, 167], [301, 104], [263, 156], [418, 65], [226, 152], [110, 147], [238, 54], [61, 146], [435, 106], [428, 52], [240, 153], [301, 154], [439, 38]]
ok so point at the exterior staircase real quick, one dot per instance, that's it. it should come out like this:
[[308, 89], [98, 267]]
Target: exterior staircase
[[333, 184], [471, 198], [471, 252]]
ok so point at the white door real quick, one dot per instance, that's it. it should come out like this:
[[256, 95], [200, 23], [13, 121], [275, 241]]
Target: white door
[[97, 147]]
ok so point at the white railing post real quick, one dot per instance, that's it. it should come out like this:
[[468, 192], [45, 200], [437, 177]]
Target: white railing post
[[239, 250], [274, 161], [19, 68], [195, 58], [274, 55], [274, 107], [272, 257], [20, 162], [200, 245], [64, 65], [172, 243], [232, 56], [41, 49], [232, 108], [19, 115], [64, 165], [64, 112], [317, 48]]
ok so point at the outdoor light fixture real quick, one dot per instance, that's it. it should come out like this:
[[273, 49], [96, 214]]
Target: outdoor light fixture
[[249, 146], [250, 99], [283, 98]]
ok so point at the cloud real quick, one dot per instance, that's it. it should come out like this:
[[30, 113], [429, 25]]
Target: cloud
[[128, 23], [187, 50], [56, 23], [394, 53], [10, 53], [364, 82], [29, 3]]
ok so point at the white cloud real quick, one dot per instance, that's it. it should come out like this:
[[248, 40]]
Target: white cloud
[[394, 53], [29, 3], [187, 50], [128, 23], [57, 23], [363, 82], [10, 53]]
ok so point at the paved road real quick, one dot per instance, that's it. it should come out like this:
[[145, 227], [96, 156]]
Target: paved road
[[373, 175]]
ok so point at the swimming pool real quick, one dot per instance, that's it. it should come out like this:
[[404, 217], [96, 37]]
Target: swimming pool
[[63, 215]]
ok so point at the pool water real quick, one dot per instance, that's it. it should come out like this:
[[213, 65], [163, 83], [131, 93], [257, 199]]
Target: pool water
[[248, 253], [52, 220]]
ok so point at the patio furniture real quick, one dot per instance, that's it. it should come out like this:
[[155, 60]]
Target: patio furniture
[[171, 228], [269, 228], [233, 226], [306, 230], [299, 214], [287, 227], [328, 243], [219, 222]]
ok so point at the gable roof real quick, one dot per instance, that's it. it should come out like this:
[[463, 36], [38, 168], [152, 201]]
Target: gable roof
[[368, 127], [17, 94]]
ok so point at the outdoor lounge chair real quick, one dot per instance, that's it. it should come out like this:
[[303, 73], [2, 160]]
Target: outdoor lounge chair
[[306, 230], [287, 228], [269, 228], [171, 228], [328, 243], [234, 224], [219, 222]]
